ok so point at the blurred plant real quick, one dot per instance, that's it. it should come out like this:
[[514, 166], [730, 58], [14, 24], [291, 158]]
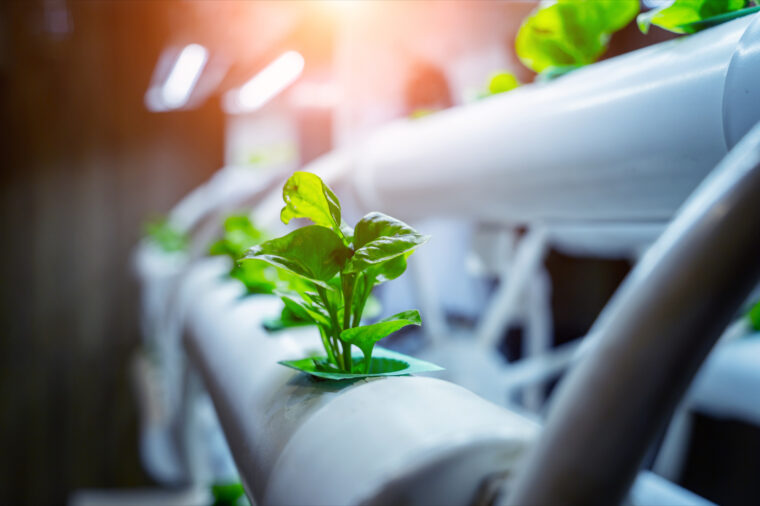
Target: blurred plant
[[754, 316], [229, 494], [340, 265], [571, 33], [498, 82], [501, 82], [240, 234], [162, 233], [689, 16]]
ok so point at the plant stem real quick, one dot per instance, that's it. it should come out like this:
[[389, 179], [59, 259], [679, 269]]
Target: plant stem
[[328, 345], [347, 282], [367, 361], [335, 334], [362, 301], [347, 356]]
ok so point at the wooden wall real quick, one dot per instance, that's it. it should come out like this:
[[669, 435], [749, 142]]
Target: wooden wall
[[83, 163]]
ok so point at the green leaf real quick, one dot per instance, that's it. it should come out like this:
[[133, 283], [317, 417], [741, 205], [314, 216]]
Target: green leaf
[[228, 494], [703, 24], [161, 232], [683, 16], [313, 252], [754, 316], [305, 311], [389, 270], [239, 235], [366, 336], [257, 276], [571, 32], [383, 363], [287, 320], [306, 196], [502, 82], [555, 72], [379, 238]]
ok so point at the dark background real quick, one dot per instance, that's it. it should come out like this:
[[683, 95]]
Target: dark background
[[83, 165]]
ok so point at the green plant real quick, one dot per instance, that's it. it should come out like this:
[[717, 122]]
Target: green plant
[[689, 16], [571, 33], [499, 82], [340, 265], [240, 234], [229, 494], [754, 316], [162, 233]]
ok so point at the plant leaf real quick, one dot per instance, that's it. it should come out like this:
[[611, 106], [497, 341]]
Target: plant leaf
[[239, 235], [165, 235], [366, 336], [306, 311], [502, 82], [680, 14], [257, 276], [306, 196], [379, 238], [313, 252], [754, 316], [384, 363], [571, 32]]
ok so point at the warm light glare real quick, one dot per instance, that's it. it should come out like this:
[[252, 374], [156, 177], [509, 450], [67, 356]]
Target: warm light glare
[[315, 95], [265, 85], [181, 80]]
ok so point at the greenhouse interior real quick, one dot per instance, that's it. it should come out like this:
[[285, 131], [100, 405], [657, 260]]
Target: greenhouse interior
[[380, 252]]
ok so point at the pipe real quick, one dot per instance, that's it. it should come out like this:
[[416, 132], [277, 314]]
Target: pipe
[[650, 340], [299, 441], [628, 138]]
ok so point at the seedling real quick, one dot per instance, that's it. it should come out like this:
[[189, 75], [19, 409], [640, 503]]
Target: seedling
[[754, 316], [163, 234], [258, 277], [570, 33], [239, 235], [690, 16], [340, 265]]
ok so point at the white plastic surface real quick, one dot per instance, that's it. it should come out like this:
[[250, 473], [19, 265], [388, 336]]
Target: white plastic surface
[[728, 384], [625, 139]]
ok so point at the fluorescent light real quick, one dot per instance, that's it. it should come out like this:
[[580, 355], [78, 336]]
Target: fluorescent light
[[184, 74], [265, 85]]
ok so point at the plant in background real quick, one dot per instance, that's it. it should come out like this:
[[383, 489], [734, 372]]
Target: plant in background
[[690, 16], [239, 235], [564, 35], [229, 494], [162, 233], [258, 277], [499, 82], [754, 316], [340, 265]]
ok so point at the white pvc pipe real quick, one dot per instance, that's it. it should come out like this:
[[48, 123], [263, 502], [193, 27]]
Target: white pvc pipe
[[625, 139], [300, 441]]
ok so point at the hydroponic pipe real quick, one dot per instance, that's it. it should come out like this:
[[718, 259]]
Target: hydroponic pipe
[[625, 139], [400, 440], [650, 340]]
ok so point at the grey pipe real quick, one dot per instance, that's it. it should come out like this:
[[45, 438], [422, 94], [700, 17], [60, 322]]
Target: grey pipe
[[650, 341]]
